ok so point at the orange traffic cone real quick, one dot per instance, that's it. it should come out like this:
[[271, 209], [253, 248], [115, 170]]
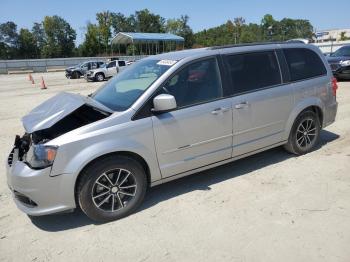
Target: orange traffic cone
[[43, 86], [30, 78]]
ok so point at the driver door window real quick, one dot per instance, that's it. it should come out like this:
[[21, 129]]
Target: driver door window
[[197, 83], [111, 64]]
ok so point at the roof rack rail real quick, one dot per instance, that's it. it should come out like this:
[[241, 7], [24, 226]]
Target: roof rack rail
[[250, 44]]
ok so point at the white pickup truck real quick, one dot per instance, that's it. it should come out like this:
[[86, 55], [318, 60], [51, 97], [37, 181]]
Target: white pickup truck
[[105, 71]]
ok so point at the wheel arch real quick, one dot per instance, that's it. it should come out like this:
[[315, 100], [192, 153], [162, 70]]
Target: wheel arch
[[315, 105], [101, 73], [129, 154]]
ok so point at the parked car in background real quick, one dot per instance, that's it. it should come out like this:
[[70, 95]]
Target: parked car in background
[[298, 40], [79, 70], [339, 62], [165, 117], [105, 71]]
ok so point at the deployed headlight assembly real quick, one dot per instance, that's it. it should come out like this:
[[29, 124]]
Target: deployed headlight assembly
[[345, 63], [41, 156]]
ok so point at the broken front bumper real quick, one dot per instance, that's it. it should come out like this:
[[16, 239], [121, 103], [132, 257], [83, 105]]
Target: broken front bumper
[[35, 192]]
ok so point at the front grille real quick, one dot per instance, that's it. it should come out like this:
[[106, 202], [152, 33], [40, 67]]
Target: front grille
[[24, 199], [10, 158]]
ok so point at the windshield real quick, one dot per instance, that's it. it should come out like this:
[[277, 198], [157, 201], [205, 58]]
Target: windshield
[[122, 90], [343, 51]]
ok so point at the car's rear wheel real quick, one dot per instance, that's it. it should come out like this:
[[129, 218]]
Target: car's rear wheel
[[99, 77], [304, 134], [111, 188]]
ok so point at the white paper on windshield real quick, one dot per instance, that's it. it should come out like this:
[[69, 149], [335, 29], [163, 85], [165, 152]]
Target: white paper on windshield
[[167, 62]]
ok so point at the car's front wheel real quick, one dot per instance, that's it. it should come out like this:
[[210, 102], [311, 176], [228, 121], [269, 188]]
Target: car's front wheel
[[111, 188], [99, 77], [304, 134]]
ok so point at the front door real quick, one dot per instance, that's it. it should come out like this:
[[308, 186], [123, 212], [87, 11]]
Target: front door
[[199, 131], [111, 69]]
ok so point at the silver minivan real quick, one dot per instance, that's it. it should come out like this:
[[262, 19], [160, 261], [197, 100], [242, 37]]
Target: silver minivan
[[165, 117]]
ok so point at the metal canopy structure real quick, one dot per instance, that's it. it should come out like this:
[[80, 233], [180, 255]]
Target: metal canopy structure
[[148, 43]]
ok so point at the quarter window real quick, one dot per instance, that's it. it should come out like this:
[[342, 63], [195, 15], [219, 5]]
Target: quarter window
[[252, 71], [303, 63], [196, 83]]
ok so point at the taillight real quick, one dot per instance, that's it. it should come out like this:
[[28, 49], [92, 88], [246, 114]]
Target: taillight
[[334, 86]]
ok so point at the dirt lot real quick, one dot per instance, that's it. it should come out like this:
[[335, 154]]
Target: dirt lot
[[268, 207]]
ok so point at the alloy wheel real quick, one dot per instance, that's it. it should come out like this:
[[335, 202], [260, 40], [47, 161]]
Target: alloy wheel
[[113, 190], [306, 133]]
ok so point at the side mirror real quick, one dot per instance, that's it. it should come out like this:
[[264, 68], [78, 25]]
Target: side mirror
[[163, 103]]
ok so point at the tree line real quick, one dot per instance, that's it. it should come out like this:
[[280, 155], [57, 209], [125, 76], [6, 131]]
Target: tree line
[[54, 36]]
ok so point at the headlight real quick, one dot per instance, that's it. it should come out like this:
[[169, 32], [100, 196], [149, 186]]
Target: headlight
[[345, 63], [40, 156]]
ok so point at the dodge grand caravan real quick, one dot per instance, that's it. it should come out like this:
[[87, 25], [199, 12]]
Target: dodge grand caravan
[[165, 117]]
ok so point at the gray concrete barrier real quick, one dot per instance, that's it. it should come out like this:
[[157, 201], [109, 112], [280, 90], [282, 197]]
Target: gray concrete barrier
[[44, 65]]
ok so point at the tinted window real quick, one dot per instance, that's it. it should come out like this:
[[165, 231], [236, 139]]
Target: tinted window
[[121, 63], [253, 71], [303, 63], [93, 65], [196, 83], [111, 64]]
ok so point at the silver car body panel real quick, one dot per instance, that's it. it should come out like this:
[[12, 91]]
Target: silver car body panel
[[173, 144]]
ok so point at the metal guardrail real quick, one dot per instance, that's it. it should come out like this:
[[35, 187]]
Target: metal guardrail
[[50, 64]]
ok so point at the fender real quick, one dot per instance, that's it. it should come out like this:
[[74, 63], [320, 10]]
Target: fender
[[305, 103]]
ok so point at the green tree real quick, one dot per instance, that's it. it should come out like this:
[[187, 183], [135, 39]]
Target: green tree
[[91, 45], [180, 27], [121, 23], [27, 47], [269, 25], [39, 37], [8, 40], [59, 37], [238, 22], [343, 36], [147, 22], [104, 20], [8, 33]]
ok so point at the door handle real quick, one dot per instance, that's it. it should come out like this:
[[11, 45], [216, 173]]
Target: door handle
[[242, 105], [219, 110]]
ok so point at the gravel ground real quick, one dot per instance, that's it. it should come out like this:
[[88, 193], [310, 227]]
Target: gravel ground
[[268, 207]]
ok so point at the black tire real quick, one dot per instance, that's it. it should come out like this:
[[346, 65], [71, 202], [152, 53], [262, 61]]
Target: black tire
[[302, 141], [96, 172], [75, 75], [99, 77]]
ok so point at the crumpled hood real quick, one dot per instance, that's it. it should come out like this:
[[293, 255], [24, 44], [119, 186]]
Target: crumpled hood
[[56, 108]]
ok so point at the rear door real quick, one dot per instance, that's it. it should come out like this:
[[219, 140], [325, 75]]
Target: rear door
[[199, 131], [261, 103]]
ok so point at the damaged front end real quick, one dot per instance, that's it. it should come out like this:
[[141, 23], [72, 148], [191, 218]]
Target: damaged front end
[[53, 118]]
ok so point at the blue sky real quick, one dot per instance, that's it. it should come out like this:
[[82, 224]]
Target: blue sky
[[203, 14]]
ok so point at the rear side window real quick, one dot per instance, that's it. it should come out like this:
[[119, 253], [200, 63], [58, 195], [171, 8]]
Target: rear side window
[[121, 63], [252, 71], [303, 63]]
